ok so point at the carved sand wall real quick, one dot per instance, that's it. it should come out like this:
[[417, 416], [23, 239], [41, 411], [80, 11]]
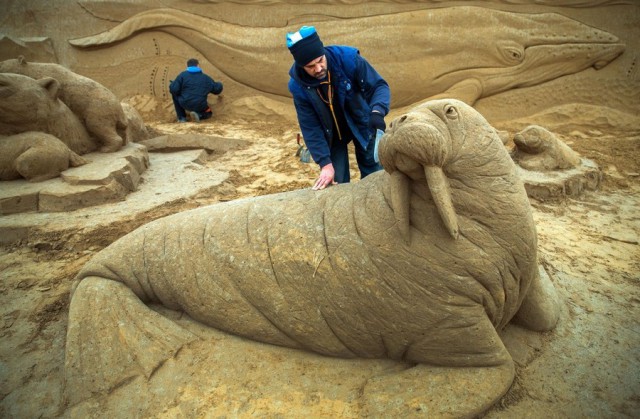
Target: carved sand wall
[[512, 59]]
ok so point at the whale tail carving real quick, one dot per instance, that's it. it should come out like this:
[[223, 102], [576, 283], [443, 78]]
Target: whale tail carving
[[152, 19]]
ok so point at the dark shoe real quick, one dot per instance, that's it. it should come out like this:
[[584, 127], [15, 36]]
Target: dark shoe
[[194, 116]]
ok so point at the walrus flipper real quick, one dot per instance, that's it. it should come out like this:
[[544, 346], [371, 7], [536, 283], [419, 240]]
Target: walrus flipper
[[540, 308], [432, 391], [463, 340], [113, 338], [468, 389]]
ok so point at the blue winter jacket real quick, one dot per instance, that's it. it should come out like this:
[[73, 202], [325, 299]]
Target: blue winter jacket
[[358, 88], [192, 86]]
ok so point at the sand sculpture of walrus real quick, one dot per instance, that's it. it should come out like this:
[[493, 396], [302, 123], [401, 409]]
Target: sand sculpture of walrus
[[423, 262]]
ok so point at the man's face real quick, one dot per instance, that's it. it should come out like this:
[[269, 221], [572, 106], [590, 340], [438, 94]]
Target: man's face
[[317, 68]]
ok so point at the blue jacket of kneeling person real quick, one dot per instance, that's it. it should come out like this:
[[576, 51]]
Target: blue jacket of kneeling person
[[192, 86]]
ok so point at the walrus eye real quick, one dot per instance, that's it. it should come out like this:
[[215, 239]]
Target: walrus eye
[[451, 112]]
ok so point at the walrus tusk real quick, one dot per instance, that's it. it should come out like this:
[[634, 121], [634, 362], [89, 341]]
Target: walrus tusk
[[439, 187], [401, 203]]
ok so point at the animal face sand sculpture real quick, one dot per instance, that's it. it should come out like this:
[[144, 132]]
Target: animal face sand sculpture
[[98, 108], [421, 263], [492, 52], [34, 105], [540, 150]]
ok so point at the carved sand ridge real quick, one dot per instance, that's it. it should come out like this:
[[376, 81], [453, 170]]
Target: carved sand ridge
[[106, 178]]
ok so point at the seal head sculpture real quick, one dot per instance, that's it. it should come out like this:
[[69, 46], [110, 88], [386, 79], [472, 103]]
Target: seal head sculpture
[[538, 149], [424, 262]]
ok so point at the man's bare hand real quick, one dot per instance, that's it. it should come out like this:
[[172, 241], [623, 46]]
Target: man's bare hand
[[326, 178]]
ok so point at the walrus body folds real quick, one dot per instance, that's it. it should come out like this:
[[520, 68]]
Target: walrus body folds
[[422, 262]]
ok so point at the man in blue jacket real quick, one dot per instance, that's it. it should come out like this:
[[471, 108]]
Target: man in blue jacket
[[189, 92], [339, 97]]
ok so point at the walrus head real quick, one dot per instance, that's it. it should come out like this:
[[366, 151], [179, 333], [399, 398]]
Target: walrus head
[[443, 142]]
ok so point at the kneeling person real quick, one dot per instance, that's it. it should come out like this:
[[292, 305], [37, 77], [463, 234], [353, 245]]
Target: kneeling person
[[189, 92]]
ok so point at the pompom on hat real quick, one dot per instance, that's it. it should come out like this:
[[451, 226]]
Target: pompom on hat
[[305, 45]]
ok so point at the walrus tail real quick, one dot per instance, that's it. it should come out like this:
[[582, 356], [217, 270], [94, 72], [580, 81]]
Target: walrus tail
[[113, 338]]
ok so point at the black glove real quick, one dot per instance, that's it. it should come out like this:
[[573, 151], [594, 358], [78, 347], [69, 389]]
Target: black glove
[[376, 121], [217, 88]]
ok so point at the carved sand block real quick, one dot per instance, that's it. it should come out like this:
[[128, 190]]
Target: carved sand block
[[98, 108], [106, 178], [549, 168], [194, 141], [423, 263]]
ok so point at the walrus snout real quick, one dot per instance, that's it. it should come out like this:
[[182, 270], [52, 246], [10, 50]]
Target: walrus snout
[[416, 147], [397, 121], [413, 141]]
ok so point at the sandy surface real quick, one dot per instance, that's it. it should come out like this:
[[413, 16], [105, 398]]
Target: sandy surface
[[588, 367]]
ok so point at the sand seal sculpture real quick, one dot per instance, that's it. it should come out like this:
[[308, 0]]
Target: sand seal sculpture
[[523, 50], [538, 149], [35, 156], [40, 136], [34, 105], [423, 262], [98, 108]]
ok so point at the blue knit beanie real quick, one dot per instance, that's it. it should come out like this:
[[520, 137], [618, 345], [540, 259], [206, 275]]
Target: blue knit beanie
[[305, 45]]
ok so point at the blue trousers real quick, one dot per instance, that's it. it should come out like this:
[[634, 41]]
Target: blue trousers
[[181, 112], [364, 157]]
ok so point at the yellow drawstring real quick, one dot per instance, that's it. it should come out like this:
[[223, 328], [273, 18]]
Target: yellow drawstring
[[330, 101]]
